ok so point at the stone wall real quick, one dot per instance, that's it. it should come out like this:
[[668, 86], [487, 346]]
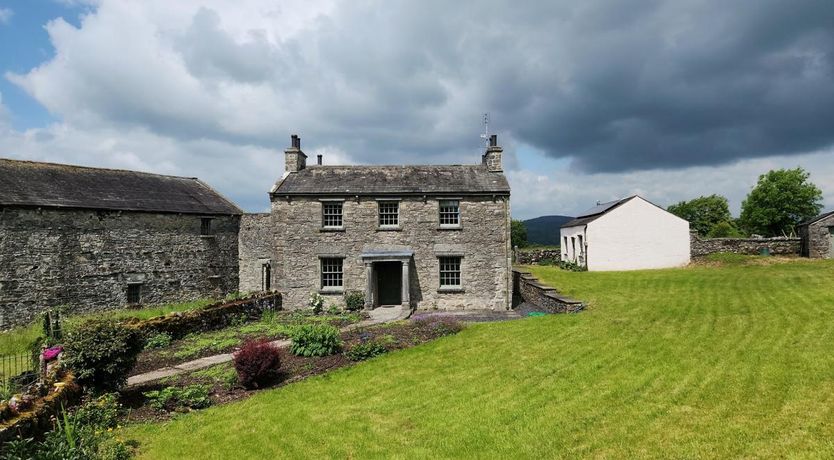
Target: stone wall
[[209, 318], [482, 239], [85, 259], [533, 256], [816, 238], [700, 246], [528, 289], [256, 243]]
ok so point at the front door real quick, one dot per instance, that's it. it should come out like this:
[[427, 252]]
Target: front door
[[389, 278]]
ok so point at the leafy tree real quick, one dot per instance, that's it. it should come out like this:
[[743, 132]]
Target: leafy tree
[[518, 233], [725, 230], [703, 213], [782, 199]]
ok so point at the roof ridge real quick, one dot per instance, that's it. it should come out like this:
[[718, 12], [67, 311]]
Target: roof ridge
[[96, 168]]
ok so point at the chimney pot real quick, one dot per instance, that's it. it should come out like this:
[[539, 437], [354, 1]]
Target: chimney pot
[[295, 141], [493, 140], [318, 157]]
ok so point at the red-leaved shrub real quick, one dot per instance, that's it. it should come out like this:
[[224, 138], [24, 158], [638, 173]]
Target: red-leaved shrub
[[257, 363]]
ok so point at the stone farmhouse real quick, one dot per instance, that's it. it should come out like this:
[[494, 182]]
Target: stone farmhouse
[[817, 236], [94, 239], [627, 234], [421, 237]]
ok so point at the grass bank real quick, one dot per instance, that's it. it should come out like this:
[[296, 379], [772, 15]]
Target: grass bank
[[730, 360], [17, 340]]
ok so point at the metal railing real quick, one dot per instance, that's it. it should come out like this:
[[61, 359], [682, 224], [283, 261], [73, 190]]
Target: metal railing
[[17, 370]]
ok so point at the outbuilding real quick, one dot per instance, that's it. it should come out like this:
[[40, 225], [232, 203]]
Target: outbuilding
[[817, 236], [627, 234]]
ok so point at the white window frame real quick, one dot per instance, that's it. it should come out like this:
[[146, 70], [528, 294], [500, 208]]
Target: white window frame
[[380, 222], [328, 266], [456, 213], [325, 215], [445, 265]]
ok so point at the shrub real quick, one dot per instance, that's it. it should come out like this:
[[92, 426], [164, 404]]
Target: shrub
[[441, 325], [161, 340], [101, 412], [316, 302], [354, 300], [102, 352], [571, 266], [333, 309], [315, 340], [173, 398], [257, 362], [365, 350]]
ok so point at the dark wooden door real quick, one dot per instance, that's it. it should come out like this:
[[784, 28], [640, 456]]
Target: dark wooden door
[[389, 282]]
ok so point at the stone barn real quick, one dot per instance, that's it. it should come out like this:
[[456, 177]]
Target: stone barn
[[627, 234], [420, 237], [817, 236], [95, 239]]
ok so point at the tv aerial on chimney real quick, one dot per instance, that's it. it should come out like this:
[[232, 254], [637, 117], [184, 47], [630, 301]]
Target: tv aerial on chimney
[[485, 135]]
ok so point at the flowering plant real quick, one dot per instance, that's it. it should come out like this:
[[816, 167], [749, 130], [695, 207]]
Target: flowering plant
[[316, 302], [51, 353]]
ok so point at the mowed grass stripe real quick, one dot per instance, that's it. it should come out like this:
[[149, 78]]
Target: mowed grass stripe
[[700, 362]]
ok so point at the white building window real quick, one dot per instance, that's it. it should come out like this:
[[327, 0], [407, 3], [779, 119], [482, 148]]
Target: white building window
[[450, 272], [389, 213], [331, 214], [331, 273], [449, 213]]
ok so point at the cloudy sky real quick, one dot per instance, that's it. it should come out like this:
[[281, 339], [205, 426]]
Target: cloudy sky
[[592, 100]]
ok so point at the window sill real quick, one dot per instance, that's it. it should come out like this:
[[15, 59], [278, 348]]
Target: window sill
[[332, 229], [451, 290], [332, 291], [208, 237], [389, 229], [450, 227]]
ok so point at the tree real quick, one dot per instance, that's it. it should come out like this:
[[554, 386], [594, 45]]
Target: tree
[[518, 233], [725, 230], [703, 213], [782, 199]]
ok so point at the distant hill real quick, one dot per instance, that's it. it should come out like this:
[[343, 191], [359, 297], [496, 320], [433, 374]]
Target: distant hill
[[545, 229]]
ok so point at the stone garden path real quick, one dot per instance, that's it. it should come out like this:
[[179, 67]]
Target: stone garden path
[[377, 316]]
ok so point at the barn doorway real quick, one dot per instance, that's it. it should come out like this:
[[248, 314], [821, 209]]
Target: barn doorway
[[389, 276], [831, 242]]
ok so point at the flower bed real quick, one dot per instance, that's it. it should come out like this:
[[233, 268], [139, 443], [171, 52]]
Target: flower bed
[[222, 384], [37, 418]]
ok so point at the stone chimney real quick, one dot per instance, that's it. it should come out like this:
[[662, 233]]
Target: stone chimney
[[492, 156], [294, 159]]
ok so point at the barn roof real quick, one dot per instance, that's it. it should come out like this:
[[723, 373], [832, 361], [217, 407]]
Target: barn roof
[[392, 180], [818, 218], [30, 183], [596, 212]]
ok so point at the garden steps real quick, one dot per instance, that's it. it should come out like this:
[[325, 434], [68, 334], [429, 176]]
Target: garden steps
[[208, 361]]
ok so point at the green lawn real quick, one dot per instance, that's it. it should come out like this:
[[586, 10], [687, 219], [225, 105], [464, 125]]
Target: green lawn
[[17, 340], [729, 361]]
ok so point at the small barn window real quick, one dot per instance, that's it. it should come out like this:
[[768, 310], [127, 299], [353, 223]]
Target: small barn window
[[331, 214], [450, 272], [205, 226], [449, 213], [134, 294], [331, 273], [266, 277], [389, 213]]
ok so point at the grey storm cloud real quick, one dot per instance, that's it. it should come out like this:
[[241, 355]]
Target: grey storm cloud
[[615, 86]]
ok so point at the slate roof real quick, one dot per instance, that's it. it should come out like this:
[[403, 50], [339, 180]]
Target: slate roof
[[392, 180], [595, 213], [29, 183], [816, 219]]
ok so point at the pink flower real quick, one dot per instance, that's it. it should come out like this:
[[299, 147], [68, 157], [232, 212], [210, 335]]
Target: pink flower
[[51, 353]]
